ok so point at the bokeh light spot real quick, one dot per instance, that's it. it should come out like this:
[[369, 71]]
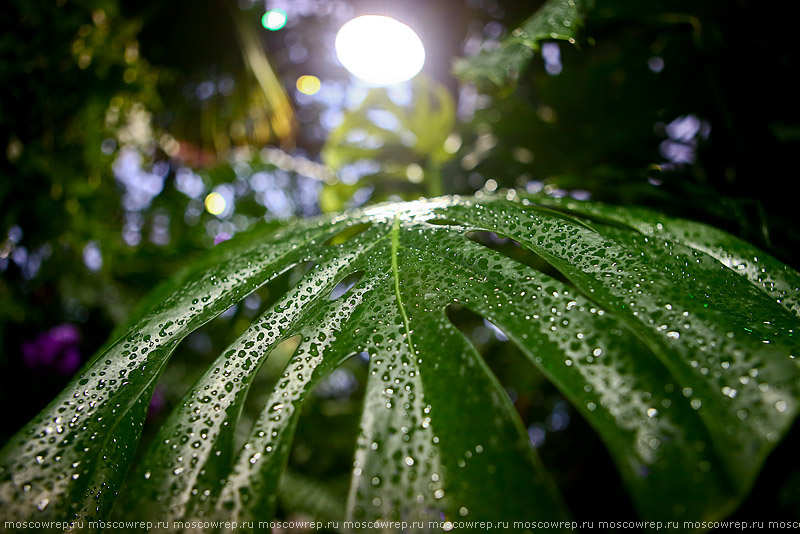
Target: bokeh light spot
[[308, 85], [452, 143], [215, 203], [274, 19], [414, 173], [379, 50]]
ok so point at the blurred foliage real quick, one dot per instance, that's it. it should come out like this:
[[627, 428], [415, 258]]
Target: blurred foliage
[[556, 19], [64, 67], [104, 168], [407, 139], [680, 105]]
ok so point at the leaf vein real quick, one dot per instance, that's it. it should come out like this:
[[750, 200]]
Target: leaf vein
[[396, 274]]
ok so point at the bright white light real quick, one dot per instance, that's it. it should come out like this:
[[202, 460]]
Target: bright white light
[[380, 50]]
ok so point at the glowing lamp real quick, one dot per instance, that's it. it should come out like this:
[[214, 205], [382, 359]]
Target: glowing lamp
[[379, 50]]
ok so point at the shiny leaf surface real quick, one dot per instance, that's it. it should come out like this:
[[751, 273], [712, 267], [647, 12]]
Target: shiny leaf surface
[[673, 340], [556, 19]]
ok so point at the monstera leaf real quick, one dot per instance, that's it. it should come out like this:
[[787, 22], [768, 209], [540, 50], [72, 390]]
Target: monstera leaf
[[675, 341]]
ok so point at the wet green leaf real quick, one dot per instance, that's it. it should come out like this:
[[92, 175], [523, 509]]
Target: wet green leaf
[[556, 19], [674, 340]]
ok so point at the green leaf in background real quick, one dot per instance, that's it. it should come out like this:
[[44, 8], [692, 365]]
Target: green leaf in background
[[405, 140], [674, 341], [556, 19]]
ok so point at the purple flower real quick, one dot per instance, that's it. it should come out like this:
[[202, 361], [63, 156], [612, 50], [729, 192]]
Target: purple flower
[[56, 349], [221, 237], [157, 403]]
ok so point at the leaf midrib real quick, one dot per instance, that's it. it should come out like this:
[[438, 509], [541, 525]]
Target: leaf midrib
[[396, 275]]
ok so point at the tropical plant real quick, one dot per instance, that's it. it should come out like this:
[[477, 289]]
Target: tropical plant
[[408, 140], [674, 340], [556, 19]]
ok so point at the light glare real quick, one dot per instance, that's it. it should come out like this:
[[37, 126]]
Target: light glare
[[379, 50], [215, 203], [308, 85], [274, 19]]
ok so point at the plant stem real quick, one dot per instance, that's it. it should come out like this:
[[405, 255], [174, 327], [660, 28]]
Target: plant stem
[[433, 176]]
